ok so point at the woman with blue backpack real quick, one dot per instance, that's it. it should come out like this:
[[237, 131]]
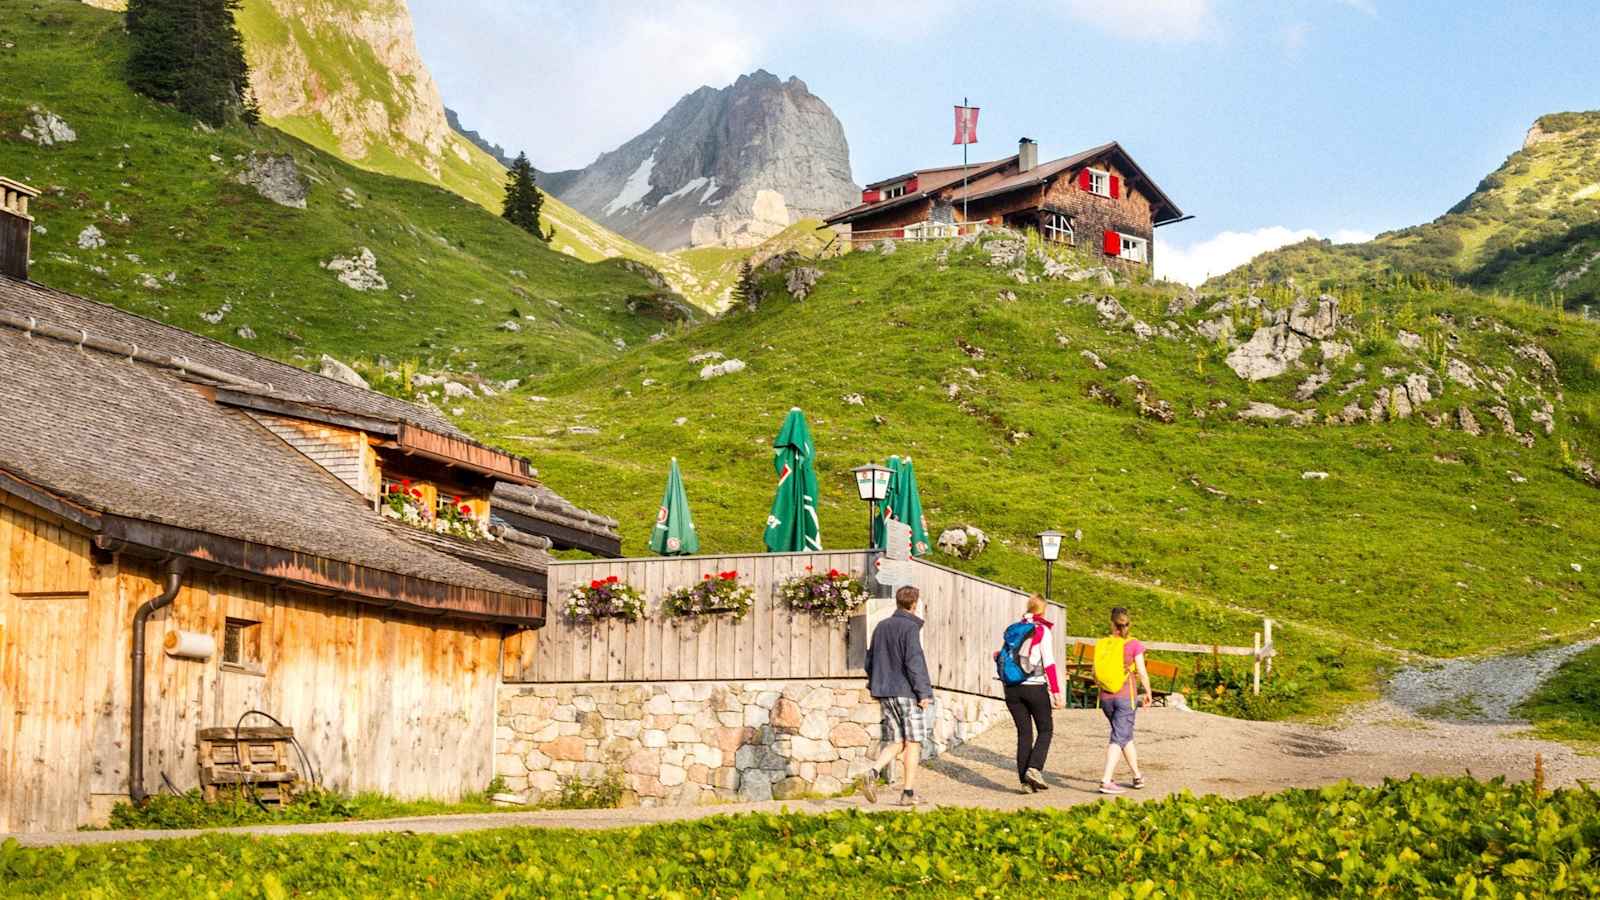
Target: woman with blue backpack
[[1026, 664]]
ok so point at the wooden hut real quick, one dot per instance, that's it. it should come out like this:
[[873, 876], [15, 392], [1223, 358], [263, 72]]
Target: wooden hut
[[156, 484]]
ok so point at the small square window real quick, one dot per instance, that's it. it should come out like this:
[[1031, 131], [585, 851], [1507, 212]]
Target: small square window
[[241, 644], [1099, 182], [1134, 249], [1058, 228]]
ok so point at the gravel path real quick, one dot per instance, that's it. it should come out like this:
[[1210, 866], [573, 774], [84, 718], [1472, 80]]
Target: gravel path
[[1480, 690], [1179, 750]]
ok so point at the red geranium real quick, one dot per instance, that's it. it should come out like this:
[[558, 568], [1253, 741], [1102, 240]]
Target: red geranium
[[833, 573], [728, 576], [611, 579], [465, 510], [596, 584]]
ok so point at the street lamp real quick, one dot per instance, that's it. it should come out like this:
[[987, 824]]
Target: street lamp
[[1050, 551], [872, 483]]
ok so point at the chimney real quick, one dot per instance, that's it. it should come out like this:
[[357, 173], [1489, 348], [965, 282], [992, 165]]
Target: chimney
[[1027, 155], [16, 227]]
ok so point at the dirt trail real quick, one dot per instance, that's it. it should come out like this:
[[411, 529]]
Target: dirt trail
[[1478, 690], [1179, 749]]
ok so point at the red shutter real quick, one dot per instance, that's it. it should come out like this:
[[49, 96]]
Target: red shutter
[[1116, 187], [1113, 244], [870, 196], [911, 186], [1083, 179]]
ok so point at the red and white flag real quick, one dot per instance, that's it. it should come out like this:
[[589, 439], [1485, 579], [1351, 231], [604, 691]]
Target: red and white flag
[[966, 125]]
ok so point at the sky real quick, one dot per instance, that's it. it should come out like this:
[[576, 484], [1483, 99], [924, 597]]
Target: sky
[[1267, 120]]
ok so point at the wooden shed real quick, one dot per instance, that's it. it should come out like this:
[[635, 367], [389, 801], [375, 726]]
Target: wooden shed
[[339, 549]]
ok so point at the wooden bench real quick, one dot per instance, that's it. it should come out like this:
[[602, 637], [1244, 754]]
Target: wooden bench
[[1083, 692], [1161, 673]]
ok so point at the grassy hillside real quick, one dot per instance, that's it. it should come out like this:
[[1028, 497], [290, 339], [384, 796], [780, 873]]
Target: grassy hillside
[[715, 270], [318, 56], [183, 239], [1531, 229], [1420, 538]]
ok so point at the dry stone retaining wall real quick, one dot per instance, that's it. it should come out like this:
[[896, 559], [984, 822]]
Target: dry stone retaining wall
[[681, 743]]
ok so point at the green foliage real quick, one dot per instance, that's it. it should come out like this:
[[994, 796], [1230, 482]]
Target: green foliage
[[1225, 688], [189, 53], [1567, 706], [1419, 837], [523, 200], [184, 238], [746, 291], [575, 792], [231, 808]]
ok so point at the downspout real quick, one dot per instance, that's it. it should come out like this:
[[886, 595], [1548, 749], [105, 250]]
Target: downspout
[[174, 579]]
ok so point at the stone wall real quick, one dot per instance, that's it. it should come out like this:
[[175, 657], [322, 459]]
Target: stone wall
[[679, 743]]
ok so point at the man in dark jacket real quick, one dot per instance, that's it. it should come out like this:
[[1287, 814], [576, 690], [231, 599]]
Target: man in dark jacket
[[897, 675]]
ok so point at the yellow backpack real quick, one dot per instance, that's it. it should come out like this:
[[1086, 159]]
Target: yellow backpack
[[1110, 669]]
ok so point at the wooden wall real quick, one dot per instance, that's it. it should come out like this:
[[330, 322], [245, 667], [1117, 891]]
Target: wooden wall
[[393, 703], [343, 451], [965, 616]]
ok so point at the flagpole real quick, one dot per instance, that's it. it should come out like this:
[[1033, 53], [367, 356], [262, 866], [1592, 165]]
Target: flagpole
[[964, 143]]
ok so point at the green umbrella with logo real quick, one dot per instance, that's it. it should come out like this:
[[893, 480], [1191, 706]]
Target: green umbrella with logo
[[792, 525], [908, 507], [903, 503], [674, 534]]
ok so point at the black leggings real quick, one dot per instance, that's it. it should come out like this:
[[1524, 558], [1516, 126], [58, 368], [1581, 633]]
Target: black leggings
[[1030, 709]]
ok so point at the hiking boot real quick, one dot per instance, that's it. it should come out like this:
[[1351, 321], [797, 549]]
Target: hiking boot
[[910, 798], [1138, 783], [1035, 780], [1111, 787], [868, 785]]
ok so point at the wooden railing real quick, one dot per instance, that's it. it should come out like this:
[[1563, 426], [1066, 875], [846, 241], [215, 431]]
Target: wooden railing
[[965, 616]]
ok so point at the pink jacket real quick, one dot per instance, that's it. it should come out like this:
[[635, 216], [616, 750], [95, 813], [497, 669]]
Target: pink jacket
[[1041, 654]]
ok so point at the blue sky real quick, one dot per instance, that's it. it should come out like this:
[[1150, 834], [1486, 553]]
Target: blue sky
[[1266, 120]]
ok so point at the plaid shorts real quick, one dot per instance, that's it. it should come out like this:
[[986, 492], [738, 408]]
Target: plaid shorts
[[904, 720]]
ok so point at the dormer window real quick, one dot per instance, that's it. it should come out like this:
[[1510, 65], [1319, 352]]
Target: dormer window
[[899, 190], [428, 506]]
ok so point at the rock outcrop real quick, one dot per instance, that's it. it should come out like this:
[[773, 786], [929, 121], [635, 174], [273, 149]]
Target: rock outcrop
[[725, 167], [276, 178]]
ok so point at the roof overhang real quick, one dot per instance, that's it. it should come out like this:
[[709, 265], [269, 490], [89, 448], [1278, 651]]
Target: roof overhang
[[872, 209], [452, 451], [563, 537]]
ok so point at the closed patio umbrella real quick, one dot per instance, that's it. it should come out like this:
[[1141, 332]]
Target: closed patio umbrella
[[792, 525], [674, 534], [908, 507]]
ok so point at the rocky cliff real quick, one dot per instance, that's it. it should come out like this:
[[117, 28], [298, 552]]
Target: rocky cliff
[[732, 167]]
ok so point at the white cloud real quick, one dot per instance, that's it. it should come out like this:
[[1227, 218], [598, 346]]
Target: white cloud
[[1153, 20], [1231, 249]]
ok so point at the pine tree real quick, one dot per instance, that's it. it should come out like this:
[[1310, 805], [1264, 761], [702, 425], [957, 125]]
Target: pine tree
[[524, 200], [189, 53], [747, 290]]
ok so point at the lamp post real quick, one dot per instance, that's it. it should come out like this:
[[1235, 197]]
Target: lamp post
[[1050, 551], [872, 484]]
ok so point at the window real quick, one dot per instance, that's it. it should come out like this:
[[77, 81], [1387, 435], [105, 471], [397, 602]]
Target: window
[[899, 190], [1134, 248], [1099, 182], [241, 645], [1058, 228]]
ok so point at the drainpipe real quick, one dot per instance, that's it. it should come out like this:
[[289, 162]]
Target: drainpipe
[[174, 578]]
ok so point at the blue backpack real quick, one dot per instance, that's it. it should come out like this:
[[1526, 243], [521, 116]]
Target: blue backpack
[[1008, 662]]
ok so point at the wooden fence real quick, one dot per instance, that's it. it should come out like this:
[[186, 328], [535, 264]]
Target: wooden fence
[[965, 616]]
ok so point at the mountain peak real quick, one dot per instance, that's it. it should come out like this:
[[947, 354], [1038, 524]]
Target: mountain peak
[[730, 166]]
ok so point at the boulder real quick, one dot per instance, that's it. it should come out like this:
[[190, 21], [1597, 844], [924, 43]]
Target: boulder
[[359, 272], [90, 238], [1409, 340], [1418, 390], [509, 325], [1333, 351], [1216, 330], [275, 177], [1267, 412], [1466, 421], [1460, 373], [1271, 350], [1317, 323], [1313, 383], [1093, 358], [801, 280], [47, 129], [717, 370], [1111, 311], [965, 541]]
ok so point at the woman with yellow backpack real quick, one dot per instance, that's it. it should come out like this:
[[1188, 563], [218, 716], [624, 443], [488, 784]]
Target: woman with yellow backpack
[[1116, 658]]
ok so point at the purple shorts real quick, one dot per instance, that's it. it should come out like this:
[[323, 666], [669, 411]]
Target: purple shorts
[[1119, 712]]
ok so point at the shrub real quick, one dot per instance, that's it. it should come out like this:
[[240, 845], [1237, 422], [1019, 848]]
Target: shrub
[[582, 793]]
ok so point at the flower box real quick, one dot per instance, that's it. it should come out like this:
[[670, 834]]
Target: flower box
[[717, 594]]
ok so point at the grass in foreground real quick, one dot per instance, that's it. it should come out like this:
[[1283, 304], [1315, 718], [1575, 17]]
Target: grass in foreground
[[1420, 837], [190, 810], [1567, 706]]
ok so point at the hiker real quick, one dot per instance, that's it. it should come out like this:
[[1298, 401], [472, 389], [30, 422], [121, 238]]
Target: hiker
[[1115, 659], [1026, 663], [897, 676]]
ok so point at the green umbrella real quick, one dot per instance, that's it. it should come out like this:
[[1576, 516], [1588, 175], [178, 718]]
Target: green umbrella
[[903, 503], [792, 524], [908, 507], [674, 534]]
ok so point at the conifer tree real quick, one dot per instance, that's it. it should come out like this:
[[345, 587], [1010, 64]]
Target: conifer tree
[[747, 290], [189, 53], [524, 200]]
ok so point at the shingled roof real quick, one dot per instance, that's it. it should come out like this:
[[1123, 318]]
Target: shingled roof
[[113, 420]]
